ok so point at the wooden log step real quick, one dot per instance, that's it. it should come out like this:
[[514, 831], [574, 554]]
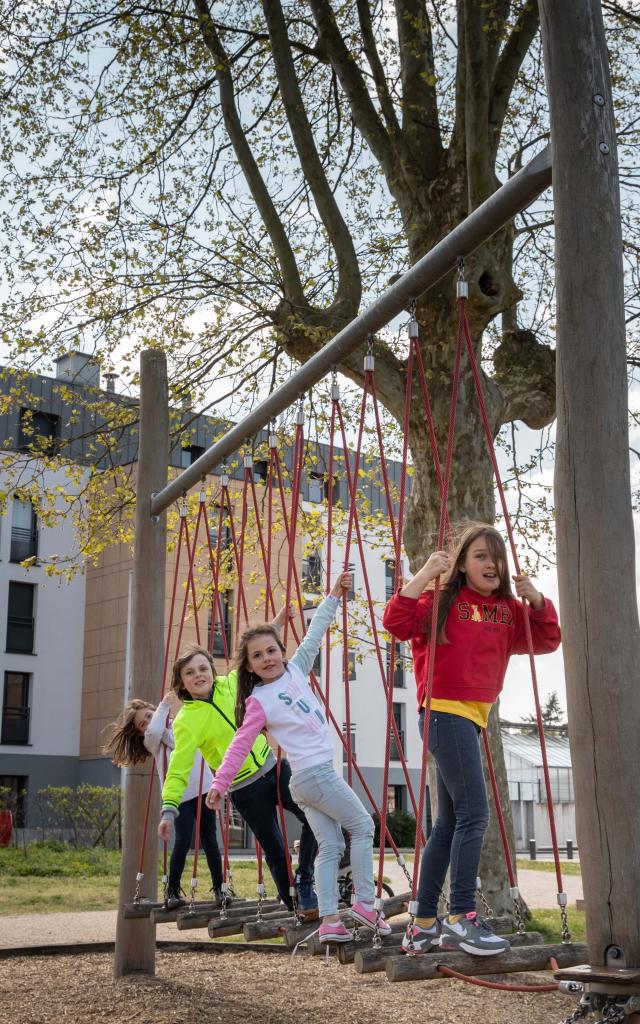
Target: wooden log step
[[365, 937], [201, 918], [368, 960], [216, 925], [254, 931], [523, 958], [293, 934], [133, 911], [163, 916]]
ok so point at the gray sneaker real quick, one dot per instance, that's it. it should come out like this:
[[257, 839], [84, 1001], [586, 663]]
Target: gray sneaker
[[472, 935]]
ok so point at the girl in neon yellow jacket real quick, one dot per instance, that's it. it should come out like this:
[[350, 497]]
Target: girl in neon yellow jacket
[[206, 722]]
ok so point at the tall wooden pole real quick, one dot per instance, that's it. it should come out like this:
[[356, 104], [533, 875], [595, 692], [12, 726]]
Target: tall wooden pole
[[135, 939], [601, 639]]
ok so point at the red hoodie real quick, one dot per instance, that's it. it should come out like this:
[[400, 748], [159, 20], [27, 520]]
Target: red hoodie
[[483, 632]]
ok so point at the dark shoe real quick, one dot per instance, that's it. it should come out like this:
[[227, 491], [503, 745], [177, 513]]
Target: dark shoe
[[175, 900], [307, 901]]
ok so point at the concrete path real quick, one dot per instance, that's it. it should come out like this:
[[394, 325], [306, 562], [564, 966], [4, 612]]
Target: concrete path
[[538, 889]]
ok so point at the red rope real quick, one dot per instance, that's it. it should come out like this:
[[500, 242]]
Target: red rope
[[436, 592], [495, 984], [489, 436], [352, 486]]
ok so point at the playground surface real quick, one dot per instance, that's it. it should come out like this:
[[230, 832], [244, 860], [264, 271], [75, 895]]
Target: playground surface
[[192, 987]]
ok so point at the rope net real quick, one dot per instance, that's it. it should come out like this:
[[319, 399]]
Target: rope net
[[243, 556]]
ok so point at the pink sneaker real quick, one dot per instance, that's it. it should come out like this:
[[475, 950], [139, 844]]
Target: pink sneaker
[[367, 916], [334, 932]]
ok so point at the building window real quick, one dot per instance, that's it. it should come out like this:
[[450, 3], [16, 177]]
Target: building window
[[20, 620], [312, 573], [399, 681], [15, 708], [219, 633], [13, 792], [396, 799], [320, 489], [189, 453], [353, 742], [39, 431], [352, 666], [24, 531], [389, 578], [260, 471], [398, 715]]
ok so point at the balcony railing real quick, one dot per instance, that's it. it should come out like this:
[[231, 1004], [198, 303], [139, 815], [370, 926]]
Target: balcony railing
[[15, 725], [24, 543], [394, 752], [218, 650]]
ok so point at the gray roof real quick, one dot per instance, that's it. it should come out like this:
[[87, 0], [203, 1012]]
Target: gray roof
[[528, 748]]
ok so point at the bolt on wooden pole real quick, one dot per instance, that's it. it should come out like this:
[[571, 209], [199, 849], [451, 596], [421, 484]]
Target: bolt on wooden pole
[[136, 939]]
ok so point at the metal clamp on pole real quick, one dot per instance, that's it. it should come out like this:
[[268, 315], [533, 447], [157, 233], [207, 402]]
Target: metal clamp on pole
[[462, 288], [224, 475], [273, 437], [369, 359], [183, 511], [202, 497], [335, 387], [413, 323], [300, 412], [248, 461]]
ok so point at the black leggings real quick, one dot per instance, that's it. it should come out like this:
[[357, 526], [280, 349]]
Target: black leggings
[[185, 827], [258, 805]]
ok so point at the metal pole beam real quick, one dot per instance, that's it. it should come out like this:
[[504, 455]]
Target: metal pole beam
[[500, 208]]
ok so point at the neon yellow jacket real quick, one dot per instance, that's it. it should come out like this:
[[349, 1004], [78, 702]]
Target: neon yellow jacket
[[208, 726]]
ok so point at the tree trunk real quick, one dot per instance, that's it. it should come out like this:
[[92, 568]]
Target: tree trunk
[[594, 522]]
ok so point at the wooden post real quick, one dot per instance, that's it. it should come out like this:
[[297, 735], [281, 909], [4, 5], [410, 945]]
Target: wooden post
[[136, 939], [594, 527]]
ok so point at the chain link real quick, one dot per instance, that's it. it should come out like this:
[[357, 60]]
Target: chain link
[[483, 900], [614, 1012], [566, 934], [582, 1009]]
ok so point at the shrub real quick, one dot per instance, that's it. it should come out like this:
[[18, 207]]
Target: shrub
[[402, 827]]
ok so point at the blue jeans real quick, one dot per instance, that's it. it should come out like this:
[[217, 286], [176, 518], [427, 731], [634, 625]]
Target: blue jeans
[[258, 805], [463, 814], [185, 825], [330, 803]]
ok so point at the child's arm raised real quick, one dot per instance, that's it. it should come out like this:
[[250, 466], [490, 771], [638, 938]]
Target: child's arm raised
[[406, 612], [154, 732], [435, 565], [543, 620], [322, 619]]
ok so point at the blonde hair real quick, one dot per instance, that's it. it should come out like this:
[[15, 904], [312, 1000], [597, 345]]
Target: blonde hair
[[125, 743], [189, 652], [456, 579]]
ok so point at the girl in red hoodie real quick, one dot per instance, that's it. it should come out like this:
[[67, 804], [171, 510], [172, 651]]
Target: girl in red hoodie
[[480, 625]]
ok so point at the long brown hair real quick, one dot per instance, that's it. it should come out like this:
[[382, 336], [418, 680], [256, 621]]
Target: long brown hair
[[125, 745], [456, 579], [189, 652], [247, 679]]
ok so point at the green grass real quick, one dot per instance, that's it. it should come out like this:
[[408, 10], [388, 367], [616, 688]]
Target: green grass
[[548, 922], [49, 877], [568, 867]]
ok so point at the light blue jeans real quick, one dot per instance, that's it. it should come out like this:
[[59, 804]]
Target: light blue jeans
[[329, 803]]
